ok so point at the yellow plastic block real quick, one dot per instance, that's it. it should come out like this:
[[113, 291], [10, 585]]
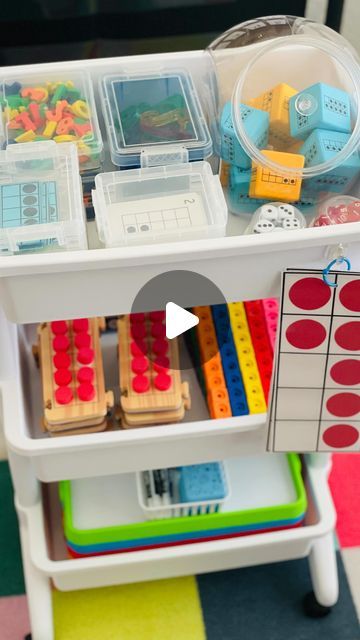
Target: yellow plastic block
[[27, 136], [267, 184], [294, 146], [247, 359], [276, 103], [225, 171], [50, 129]]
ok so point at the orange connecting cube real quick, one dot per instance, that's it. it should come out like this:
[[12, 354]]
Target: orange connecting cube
[[270, 185]]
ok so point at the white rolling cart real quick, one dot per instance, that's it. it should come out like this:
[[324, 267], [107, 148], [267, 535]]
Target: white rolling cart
[[99, 281]]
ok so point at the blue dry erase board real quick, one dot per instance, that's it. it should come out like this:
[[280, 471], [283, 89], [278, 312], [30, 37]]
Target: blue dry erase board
[[28, 204]]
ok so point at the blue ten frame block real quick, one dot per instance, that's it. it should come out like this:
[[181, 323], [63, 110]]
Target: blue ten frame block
[[322, 146], [229, 360], [28, 204], [319, 107], [238, 192], [201, 482], [256, 124]]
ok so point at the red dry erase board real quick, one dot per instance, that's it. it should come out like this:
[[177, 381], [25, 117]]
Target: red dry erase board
[[315, 403]]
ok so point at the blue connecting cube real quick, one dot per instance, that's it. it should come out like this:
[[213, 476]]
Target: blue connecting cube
[[201, 482], [256, 124], [319, 107], [322, 146], [229, 361]]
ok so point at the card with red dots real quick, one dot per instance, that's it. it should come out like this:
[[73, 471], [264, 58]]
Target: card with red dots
[[72, 376], [151, 391], [316, 392]]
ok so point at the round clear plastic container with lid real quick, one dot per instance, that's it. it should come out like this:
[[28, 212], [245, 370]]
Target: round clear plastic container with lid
[[287, 112]]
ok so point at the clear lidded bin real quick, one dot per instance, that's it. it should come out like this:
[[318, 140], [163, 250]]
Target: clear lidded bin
[[287, 95], [159, 204], [151, 111], [59, 106], [41, 206]]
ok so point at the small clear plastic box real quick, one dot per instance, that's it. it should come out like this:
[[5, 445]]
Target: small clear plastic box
[[31, 102], [152, 110], [159, 204], [41, 206]]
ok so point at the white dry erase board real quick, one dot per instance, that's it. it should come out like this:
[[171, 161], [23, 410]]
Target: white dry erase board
[[315, 403]]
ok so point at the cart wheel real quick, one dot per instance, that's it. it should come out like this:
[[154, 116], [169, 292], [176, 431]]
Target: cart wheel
[[313, 608]]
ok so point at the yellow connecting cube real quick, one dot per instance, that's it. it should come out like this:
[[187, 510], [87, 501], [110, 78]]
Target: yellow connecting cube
[[276, 103], [277, 186]]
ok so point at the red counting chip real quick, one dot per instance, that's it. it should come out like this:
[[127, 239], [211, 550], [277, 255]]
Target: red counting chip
[[162, 381], [85, 374], [160, 346], [158, 330], [61, 343], [162, 363], [81, 324], [310, 293], [138, 331], [157, 316], [86, 392], [139, 364], [140, 384], [61, 360], [137, 317], [59, 327], [85, 355], [138, 348], [82, 340], [340, 436], [63, 377], [64, 395]]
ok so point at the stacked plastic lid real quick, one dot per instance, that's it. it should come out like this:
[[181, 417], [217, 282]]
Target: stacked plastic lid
[[54, 106], [41, 207], [154, 109], [159, 204], [104, 515]]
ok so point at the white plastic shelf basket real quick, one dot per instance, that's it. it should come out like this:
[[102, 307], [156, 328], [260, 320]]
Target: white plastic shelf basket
[[158, 511]]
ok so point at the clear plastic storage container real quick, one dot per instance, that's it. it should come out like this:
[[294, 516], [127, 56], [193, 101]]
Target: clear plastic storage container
[[287, 110], [41, 206], [153, 110], [159, 204], [57, 106]]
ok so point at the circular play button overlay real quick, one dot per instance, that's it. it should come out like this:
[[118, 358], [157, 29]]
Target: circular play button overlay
[[171, 308]]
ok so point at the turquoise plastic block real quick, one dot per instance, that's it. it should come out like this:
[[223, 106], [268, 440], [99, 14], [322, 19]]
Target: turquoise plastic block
[[256, 124], [319, 107], [200, 482], [322, 146], [239, 200]]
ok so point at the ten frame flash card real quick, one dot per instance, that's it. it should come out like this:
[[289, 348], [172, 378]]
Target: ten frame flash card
[[316, 382]]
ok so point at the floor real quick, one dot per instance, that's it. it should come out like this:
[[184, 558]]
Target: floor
[[215, 606]]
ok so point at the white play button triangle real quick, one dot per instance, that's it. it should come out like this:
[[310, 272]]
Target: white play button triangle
[[178, 320]]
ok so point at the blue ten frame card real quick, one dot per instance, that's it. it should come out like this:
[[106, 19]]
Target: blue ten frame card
[[28, 203]]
